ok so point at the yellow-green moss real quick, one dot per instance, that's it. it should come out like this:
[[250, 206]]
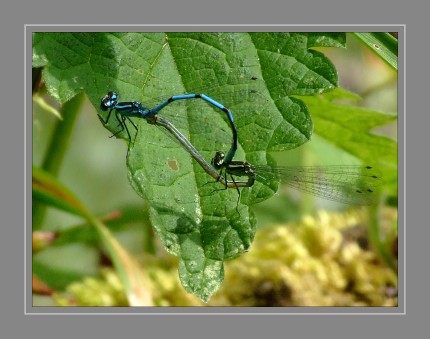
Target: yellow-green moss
[[317, 262], [105, 291], [308, 264]]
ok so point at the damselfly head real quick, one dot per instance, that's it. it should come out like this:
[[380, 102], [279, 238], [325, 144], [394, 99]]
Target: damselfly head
[[109, 101], [218, 159]]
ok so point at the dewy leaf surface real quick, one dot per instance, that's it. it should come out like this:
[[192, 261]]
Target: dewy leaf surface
[[195, 218]]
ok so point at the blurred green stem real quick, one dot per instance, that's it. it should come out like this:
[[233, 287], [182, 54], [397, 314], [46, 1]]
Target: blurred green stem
[[375, 237], [148, 233], [307, 201], [57, 149]]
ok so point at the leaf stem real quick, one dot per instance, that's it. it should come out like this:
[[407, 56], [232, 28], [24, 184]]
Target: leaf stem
[[57, 149]]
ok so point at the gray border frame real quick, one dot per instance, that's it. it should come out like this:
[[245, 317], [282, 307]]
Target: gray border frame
[[401, 309]]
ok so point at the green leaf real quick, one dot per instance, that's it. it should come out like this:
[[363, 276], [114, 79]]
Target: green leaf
[[350, 128], [49, 190], [382, 44], [197, 220]]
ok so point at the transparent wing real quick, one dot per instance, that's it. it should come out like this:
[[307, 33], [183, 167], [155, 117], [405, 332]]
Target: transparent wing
[[347, 184]]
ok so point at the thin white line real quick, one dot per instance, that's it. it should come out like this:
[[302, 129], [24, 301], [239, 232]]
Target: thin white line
[[215, 25], [404, 169], [25, 170], [211, 313], [223, 25]]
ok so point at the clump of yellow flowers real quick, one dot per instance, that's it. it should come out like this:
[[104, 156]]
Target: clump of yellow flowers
[[104, 291], [311, 263], [316, 262]]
